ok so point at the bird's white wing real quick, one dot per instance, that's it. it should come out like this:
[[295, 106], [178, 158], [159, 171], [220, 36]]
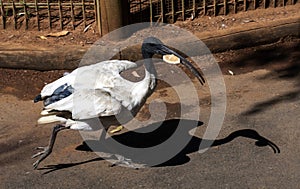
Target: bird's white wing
[[86, 104], [99, 90], [87, 73]]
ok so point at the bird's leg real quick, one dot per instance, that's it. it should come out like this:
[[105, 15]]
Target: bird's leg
[[46, 151]]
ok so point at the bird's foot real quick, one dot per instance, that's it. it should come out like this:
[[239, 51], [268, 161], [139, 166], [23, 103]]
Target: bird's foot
[[43, 154], [126, 162], [44, 150]]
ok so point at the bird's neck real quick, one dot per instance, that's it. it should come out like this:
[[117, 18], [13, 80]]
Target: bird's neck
[[150, 72]]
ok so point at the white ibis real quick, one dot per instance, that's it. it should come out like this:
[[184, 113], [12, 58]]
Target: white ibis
[[110, 93]]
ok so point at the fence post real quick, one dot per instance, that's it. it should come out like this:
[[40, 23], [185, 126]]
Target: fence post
[[72, 14], [225, 7], [60, 15], [162, 6], [83, 14], [173, 11], [215, 7], [183, 10], [37, 14], [235, 6], [25, 14], [14, 14], [151, 12], [204, 7], [3, 15], [49, 15], [194, 8], [112, 14]]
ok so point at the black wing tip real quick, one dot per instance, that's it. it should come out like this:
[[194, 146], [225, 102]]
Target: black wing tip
[[37, 98]]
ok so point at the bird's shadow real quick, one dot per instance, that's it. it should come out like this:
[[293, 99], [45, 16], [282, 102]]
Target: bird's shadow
[[161, 133]]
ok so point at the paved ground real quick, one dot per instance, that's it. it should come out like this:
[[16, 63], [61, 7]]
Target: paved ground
[[262, 104]]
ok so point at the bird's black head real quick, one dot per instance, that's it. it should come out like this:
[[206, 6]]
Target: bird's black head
[[152, 45]]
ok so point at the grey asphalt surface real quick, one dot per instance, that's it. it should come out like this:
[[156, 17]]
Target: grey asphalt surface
[[262, 118]]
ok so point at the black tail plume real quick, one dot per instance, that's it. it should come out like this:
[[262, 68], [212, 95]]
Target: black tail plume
[[37, 98]]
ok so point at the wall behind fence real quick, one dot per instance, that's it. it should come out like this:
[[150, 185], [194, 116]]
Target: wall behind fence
[[71, 14]]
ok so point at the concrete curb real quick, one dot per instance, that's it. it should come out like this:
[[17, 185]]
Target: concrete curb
[[41, 59], [253, 37]]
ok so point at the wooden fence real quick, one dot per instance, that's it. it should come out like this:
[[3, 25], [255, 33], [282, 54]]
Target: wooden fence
[[171, 10], [62, 14], [46, 13]]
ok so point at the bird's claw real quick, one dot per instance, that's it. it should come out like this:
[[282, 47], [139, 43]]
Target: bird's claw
[[43, 154], [44, 150], [41, 147], [36, 164], [126, 162]]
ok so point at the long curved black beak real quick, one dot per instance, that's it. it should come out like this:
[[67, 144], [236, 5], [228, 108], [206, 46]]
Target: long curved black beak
[[164, 50]]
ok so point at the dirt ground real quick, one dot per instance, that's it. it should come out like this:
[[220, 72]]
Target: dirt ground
[[262, 104]]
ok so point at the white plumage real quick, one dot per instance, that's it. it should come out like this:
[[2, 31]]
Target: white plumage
[[99, 90]]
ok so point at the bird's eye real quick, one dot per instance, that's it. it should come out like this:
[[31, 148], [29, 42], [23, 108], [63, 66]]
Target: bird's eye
[[152, 44]]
